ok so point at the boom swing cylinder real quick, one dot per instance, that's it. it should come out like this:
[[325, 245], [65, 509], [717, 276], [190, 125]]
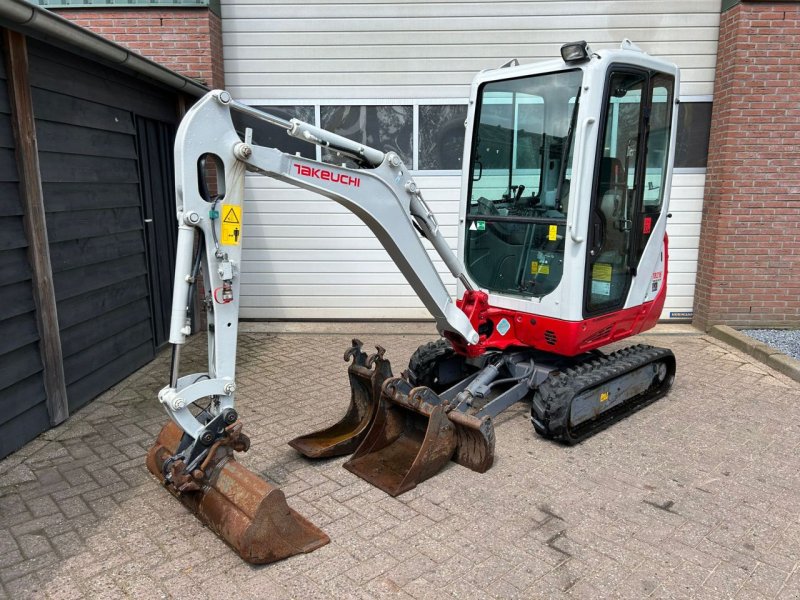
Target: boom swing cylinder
[[562, 249]]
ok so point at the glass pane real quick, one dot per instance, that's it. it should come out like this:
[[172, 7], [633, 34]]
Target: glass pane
[[382, 127], [273, 136], [660, 127], [441, 136], [694, 128], [612, 218], [521, 154]]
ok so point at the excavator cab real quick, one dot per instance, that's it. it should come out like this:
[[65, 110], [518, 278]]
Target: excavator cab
[[568, 170]]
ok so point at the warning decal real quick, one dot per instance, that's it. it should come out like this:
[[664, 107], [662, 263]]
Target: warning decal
[[601, 272], [552, 233], [231, 230]]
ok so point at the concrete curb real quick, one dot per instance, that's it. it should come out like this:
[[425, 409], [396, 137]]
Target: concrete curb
[[758, 350]]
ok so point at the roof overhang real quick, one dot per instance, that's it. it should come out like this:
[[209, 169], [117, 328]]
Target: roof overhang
[[42, 24]]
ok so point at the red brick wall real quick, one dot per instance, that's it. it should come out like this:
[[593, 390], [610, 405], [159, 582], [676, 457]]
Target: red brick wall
[[186, 40], [749, 263]]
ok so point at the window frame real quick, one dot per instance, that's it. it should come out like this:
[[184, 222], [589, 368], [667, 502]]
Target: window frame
[[415, 103]]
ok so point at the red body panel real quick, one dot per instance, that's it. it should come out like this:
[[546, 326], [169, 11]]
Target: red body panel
[[565, 338]]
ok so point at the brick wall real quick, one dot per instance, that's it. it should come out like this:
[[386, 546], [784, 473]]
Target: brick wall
[[186, 40], [749, 260]]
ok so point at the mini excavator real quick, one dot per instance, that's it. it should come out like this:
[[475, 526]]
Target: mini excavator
[[562, 250]]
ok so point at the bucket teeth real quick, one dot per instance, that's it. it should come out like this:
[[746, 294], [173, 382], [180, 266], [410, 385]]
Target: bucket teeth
[[413, 437], [249, 514]]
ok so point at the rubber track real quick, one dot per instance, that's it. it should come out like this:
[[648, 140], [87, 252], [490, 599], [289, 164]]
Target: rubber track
[[552, 400]]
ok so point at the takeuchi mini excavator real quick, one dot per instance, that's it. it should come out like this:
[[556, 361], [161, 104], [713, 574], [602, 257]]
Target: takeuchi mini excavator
[[561, 250]]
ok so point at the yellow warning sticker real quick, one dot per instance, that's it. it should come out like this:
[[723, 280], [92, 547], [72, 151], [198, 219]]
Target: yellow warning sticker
[[601, 272], [231, 230], [537, 269], [552, 234], [603, 396]]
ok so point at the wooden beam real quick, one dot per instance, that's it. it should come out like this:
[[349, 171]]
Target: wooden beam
[[30, 186]]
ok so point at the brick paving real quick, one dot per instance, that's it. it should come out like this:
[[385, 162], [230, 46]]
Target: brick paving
[[697, 496]]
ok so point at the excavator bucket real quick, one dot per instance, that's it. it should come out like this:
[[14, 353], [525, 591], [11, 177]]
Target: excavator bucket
[[366, 375], [244, 510], [413, 437]]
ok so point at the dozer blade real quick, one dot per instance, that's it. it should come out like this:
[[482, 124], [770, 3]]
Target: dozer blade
[[249, 514], [412, 438], [365, 388]]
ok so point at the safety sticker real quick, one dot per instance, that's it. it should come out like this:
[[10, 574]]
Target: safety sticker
[[655, 281], [552, 234], [601, 288], [503, 326], [603, 396], [601, 272], [231, 230], [647, 225], [481, 225], [539, 269]]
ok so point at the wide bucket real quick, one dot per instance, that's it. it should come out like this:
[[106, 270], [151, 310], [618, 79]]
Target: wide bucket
[[249, 514], [366, 375], [411, 439]]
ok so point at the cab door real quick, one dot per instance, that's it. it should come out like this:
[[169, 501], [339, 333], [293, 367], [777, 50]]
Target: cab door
[[628, 182]]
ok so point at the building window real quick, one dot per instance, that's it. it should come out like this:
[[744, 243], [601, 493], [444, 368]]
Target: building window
[[441, 136], [694, 128], [383, 127]]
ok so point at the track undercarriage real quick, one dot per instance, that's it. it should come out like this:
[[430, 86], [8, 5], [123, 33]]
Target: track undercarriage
[[404, 430]]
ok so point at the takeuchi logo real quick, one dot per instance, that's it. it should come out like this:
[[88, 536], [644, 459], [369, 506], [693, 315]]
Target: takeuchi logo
[[325, 175]]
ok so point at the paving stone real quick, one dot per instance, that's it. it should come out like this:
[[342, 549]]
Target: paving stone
[[693, 497]]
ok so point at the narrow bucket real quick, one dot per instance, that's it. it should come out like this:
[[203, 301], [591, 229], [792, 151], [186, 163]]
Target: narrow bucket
[[366, 375], [249, 514], [411, 439]]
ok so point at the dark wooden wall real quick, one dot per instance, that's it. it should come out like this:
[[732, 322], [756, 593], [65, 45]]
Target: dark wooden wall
[[23, 413], [105, 152], [86, 127]]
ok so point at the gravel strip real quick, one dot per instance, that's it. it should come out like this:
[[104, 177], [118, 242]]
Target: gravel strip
[[785, 340]]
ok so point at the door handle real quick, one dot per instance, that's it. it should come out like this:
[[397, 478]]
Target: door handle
[[579, 168]]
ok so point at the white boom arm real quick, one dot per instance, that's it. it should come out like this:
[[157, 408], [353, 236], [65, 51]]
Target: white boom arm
[[382, 194]]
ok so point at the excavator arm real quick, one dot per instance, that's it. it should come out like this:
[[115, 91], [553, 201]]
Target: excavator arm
[[193, 455], [381, 193]]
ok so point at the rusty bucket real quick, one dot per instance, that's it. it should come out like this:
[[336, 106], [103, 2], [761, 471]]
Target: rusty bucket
[[366, 375], [414, 435], [249, 514]]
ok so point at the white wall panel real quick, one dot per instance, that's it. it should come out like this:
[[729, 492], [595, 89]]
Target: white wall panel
[[305, 256], [416, 49], [683, 229]]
